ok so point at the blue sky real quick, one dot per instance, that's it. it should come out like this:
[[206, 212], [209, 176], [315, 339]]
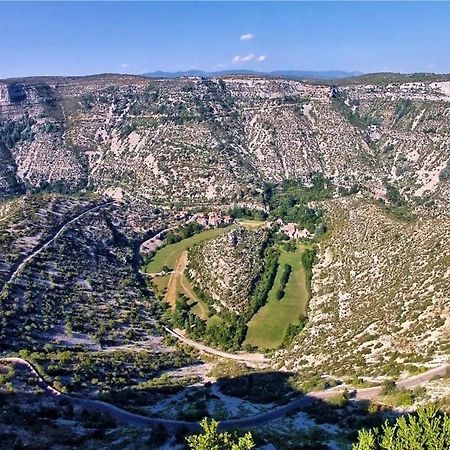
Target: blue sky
[[85, 38]]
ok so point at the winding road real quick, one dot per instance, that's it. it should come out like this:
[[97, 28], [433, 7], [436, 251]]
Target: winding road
[[173, 426]]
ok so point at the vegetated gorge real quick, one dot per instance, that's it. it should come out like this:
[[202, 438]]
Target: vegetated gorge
[[266, 252]]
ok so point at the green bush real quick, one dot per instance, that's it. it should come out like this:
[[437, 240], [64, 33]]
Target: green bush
[[426, 430], [294, 330], [388, 387], [212, 439], [290, 201]]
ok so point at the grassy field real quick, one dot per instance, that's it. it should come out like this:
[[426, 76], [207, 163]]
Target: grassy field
[[214, 320], [169, 255], [252, 224], [161, 283], [268, 326], [176, 282], [200, 309]]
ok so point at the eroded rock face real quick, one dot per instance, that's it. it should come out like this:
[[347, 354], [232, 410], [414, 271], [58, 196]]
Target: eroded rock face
[[4, 97], [194, 141], [226, 268], [12, 93], [381, 286]]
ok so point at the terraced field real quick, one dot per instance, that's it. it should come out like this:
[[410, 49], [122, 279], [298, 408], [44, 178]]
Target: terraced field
[[267, 328]]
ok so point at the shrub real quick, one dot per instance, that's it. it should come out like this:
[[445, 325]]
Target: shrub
[[339, 400], [444, 174], [428, 429], [294, 330], [308, 260], [212, 439], [388, 387]]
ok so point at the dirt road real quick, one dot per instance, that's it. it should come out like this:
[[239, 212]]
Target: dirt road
[[175, 275], [249, 358], [173, 426]]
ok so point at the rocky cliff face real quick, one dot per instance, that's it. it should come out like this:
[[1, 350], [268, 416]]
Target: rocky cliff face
[[12, 93], [194, 140]]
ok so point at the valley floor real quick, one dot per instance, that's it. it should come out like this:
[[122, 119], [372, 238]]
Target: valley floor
[[267, 328]]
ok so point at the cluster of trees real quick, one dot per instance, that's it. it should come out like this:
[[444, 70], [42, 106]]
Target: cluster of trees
[[287, 269], [228, 333], [183, 232], [212, 439], [266, 281], [393, 195], [242, 212], [404, 107], [259, 387], [293, 330], [88, 100], [290, 246], [13, 132], [354, 189], [308, 259], [290, 201], [425, 430], [180, 114]]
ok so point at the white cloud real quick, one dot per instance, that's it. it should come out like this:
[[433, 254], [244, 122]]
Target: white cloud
[[245, 58], [247, 37], [248, 58], [124, 65]]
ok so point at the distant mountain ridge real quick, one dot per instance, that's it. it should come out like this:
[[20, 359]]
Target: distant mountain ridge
[[304, 74]]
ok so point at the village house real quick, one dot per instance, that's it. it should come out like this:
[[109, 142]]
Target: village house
[[293, 232], [212, 219]]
